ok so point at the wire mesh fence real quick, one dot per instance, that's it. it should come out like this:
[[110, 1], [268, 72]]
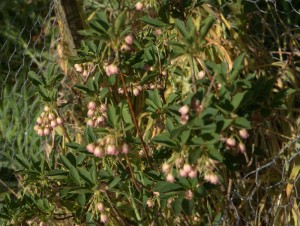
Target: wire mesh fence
[[265, 192]]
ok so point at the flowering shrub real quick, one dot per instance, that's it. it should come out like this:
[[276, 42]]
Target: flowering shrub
[[164, 105]]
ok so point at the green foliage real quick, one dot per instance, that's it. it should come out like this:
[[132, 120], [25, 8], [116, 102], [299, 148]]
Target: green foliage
[[159, 117]]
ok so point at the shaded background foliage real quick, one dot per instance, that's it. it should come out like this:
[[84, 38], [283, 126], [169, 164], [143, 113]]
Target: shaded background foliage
[[267, 30]]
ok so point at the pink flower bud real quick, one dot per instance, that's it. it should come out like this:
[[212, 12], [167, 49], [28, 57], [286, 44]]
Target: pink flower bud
[[103, 218], [187, 168], [100, 207], [46, 108], [40, 132], [193, 173], [211, 178], [182, 173], [85, 73], [166, 168], [139, 6], [136, 91], [39, 120], [90, 148], [188, 195], [78, 68], [59, 121], [53, 123], [98, 152], [121, 91], [179, 162], [170, 178], [201, 74], [90, 113], [242, 148], [111, 149], [184, 110], [149, 203], [90, 122], [111, 70], [103, 108], [243, 134], [164, 73], [92, 105], [129, 39], [230, 142], [36, 127], [125, 148], [46, 131], [125, 48], [184, 119], [51, 116]]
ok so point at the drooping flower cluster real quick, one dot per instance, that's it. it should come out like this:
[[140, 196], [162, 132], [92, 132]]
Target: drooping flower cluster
[[128, 41], [85, 69], [136, 89], [101, 208], [46, 122], [231, 142], [97, 114], [111, 69], [107, 147]]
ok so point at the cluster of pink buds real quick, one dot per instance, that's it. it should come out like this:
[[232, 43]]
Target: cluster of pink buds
[[137, 89], [184, 110], [97, 114], [211, 177], [232, 144], [103, 216], [46, 122], [85, 69], [188, 171], [111, 69], [167, 169], [128, 41], [107, 147]]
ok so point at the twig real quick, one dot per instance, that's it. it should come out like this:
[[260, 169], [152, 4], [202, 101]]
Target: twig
[[12, 191], [132, 175], [134, 118]]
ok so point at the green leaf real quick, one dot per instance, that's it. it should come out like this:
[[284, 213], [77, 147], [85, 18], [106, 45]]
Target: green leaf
[[188, 206], [176, 132], [23, 161], [120, 21], [114, 182], [81, 199], [207, 24], [182, 29], [164, 139], [242, 122], [112, 116], [237, 99], [58, 78], [44, 93], [73, 145], [83, 88], [65, 162], [85, 175], [194, 155], [152, 21], [216, 155], [165, 187], [237, 66], [34, 78], [75, 175], [177, 208], [89, 135], [103, 93], [157, 99]]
